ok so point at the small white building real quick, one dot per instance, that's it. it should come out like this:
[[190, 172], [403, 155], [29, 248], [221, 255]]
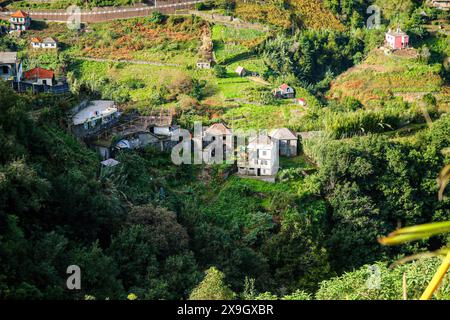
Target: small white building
[[284, 92], [47, 43], [260, 157], [36, 43], [204, 64]]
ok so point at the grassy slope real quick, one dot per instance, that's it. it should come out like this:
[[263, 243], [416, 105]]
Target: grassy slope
[[310, 14], [381, 76]]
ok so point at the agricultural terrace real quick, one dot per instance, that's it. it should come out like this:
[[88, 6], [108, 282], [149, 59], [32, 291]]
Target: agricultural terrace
[[304, 13], [230, 43], [382, 76]]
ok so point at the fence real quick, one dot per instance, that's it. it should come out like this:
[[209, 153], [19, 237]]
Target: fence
[[56, 89], [108, 13]]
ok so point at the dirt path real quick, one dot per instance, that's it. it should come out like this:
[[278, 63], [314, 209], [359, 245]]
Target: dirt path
[[151, 63], [259, 80]]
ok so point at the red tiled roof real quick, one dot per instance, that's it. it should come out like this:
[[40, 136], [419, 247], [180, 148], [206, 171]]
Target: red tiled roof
[[19, 14], [284, 86], [36, 39], [39, 73]]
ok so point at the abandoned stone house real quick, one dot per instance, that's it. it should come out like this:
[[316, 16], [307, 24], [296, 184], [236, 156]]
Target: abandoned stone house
[[216, 136], [10, 66], [259, 157], [287, 141]]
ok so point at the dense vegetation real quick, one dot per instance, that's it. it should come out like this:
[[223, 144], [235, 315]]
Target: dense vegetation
[[162, 231]]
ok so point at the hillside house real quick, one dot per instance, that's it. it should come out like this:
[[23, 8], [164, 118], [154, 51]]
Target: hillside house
[[214, 135], [204, 64], [260, 157], [10, 67], [47, 43], [161, 125], [287, 141], [284, 92], [95, 116], [20, 20], [39, 76], [301, 102], [36, 43], [241, 71], [397, 40]]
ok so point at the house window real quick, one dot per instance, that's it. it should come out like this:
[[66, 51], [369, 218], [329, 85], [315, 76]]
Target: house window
[[264, 153]]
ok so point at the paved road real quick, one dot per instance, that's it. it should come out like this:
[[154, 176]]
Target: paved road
[[109, 13]]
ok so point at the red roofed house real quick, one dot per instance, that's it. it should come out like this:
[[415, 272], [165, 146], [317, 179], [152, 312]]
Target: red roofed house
[[20, 20], [284, 92], [39, 76], [301, 102], [36, 42], [397, 40]]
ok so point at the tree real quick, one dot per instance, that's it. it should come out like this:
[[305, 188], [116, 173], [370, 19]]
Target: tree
[[156, 17], [212, 287], [220, 71]]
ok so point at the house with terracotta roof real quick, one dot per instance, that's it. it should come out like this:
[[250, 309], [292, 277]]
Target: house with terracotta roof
[[36, 43], [20, 20], [47, 43], [287, 141], [40, 76], [284, 92]]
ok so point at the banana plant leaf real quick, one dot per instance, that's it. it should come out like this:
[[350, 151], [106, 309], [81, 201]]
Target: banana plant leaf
[[415, 233]]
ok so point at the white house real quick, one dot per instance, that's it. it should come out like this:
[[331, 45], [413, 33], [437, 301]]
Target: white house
[[20, 20], [49, 43], [36, 43], [259, 158], [284, 92], [39, 76]]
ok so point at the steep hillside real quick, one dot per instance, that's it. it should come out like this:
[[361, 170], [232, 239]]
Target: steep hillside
[[381, 77], [309, 14]]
